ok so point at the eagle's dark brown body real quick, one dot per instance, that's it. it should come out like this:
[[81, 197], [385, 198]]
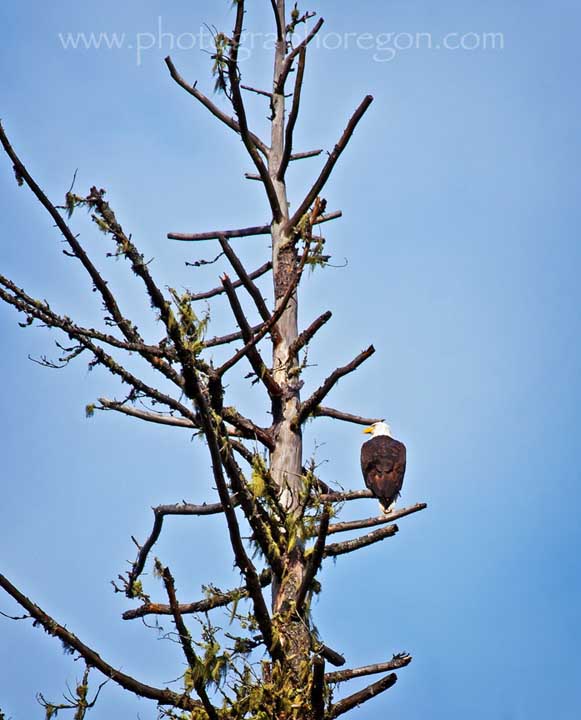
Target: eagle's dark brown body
[[383, 467]]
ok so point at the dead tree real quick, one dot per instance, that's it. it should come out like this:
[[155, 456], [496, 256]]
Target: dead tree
[[276, 666]]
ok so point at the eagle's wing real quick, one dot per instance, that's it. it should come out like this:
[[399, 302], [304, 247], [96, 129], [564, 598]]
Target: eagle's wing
[[383, 461]]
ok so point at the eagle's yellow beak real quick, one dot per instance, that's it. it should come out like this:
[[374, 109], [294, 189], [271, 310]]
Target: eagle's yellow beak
[[368, 430]]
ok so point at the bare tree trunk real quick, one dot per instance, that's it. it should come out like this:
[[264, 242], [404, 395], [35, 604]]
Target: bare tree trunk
[[286, 459]]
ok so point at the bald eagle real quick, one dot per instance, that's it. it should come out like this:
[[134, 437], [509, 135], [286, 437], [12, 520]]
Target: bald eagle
[[383, 465]]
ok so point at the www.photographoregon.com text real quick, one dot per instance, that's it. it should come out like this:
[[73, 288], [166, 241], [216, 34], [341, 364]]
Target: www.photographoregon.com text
[[382, 46]]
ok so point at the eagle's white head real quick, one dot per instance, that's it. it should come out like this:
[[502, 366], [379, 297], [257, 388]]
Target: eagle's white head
[[378, 428]]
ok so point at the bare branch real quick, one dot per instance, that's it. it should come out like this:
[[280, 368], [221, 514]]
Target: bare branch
[[278, 20], [242, 232], [262, 270], [306, 336], [305, 155], [275, 317], [397, 662], [262, 372], [335, 154], [345, 496], [246, 428], [350, 545], [238, 104], [151, 392], [321, 411], [186, 643], [288, 63], [293, 115], [318, 688], [362, 696], [319, 395], [214, 109], [218, 599], [330, 655], [110, 303], [379, 520], [146, 415], [92, 659], [42, 311], [245, 279], [256, 90], [315, 558], [231, 337]]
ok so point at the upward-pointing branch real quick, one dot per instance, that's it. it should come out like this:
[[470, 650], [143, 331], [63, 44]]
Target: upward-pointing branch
[[308, 407], [186, 643], [288, 63], [331, 161], [362, 696], [238, 105], [293, 116], [245, 279]]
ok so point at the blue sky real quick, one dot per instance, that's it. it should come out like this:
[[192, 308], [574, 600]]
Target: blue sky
[[461, 213]]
